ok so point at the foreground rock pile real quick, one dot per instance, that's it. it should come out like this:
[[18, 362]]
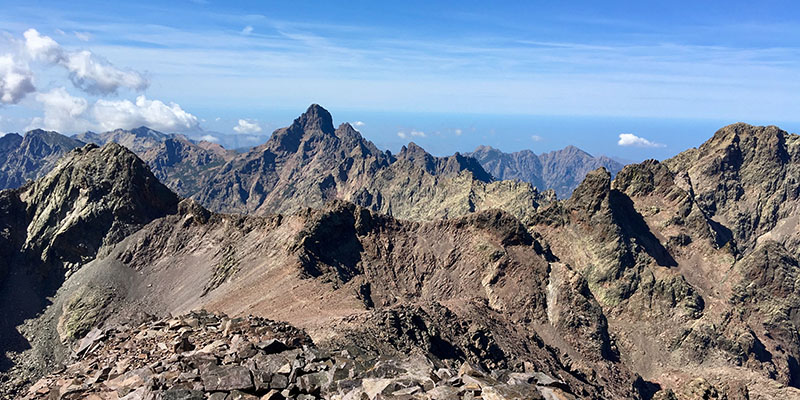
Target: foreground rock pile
[[206, 356]]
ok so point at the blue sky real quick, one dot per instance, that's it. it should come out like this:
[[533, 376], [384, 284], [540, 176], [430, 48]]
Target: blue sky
[[449, 75]]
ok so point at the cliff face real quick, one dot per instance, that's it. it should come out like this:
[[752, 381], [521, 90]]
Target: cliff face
[[560, 170], [686, 257]]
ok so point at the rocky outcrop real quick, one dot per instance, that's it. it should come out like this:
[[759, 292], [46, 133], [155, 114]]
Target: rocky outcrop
[[745, 177], [184, 165], [202, 355], [93, 198], [560, 170]]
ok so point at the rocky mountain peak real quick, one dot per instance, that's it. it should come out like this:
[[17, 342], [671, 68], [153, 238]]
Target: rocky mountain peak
[[146, 132], [451, 165], [592, 191], [94, 196], [413, 151], [10, 141], [315, 119], [746, 143]]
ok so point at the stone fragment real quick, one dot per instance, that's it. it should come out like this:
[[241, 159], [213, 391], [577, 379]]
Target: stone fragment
[[227, 377], [261, 379], [182, 344], [238, 395], [182, 394], [443, 393], [279, 382], [272, 395], [314, 382], [272, 346], [511, 392]]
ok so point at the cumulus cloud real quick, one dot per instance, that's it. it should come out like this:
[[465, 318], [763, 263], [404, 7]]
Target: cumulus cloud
[[16, 80], [536, 138], [246, 126], [631, 140], [402, 135], [247, 30], [42, 48], [152, 113], [87, 71], [418, 133], [458, 132], [62, 112], [358, 123]]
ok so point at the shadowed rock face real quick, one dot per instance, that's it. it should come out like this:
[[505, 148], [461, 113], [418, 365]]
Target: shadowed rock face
[[560, 170]]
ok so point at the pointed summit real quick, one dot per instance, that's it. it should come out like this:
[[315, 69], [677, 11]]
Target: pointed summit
[[316, 118]]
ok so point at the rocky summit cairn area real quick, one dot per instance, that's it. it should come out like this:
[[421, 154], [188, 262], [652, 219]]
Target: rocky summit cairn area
[[202, 355]]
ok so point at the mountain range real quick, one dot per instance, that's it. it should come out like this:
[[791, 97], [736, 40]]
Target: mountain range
[[188, 166], [666, 280], [560, 170]]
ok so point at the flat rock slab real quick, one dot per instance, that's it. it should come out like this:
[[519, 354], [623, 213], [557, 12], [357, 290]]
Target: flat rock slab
[[227, 378], [182, 394]]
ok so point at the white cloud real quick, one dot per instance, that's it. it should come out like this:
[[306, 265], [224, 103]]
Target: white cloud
[[247, 30], [246, 126], [359, 123], [458, 132], [209, 138], [83, 36], [629, 139], [62, 112], [217, 119], [536, 138], [87, 71], [418, 133], [402, 135], [152, 113], [16, 80], [42, 48]]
